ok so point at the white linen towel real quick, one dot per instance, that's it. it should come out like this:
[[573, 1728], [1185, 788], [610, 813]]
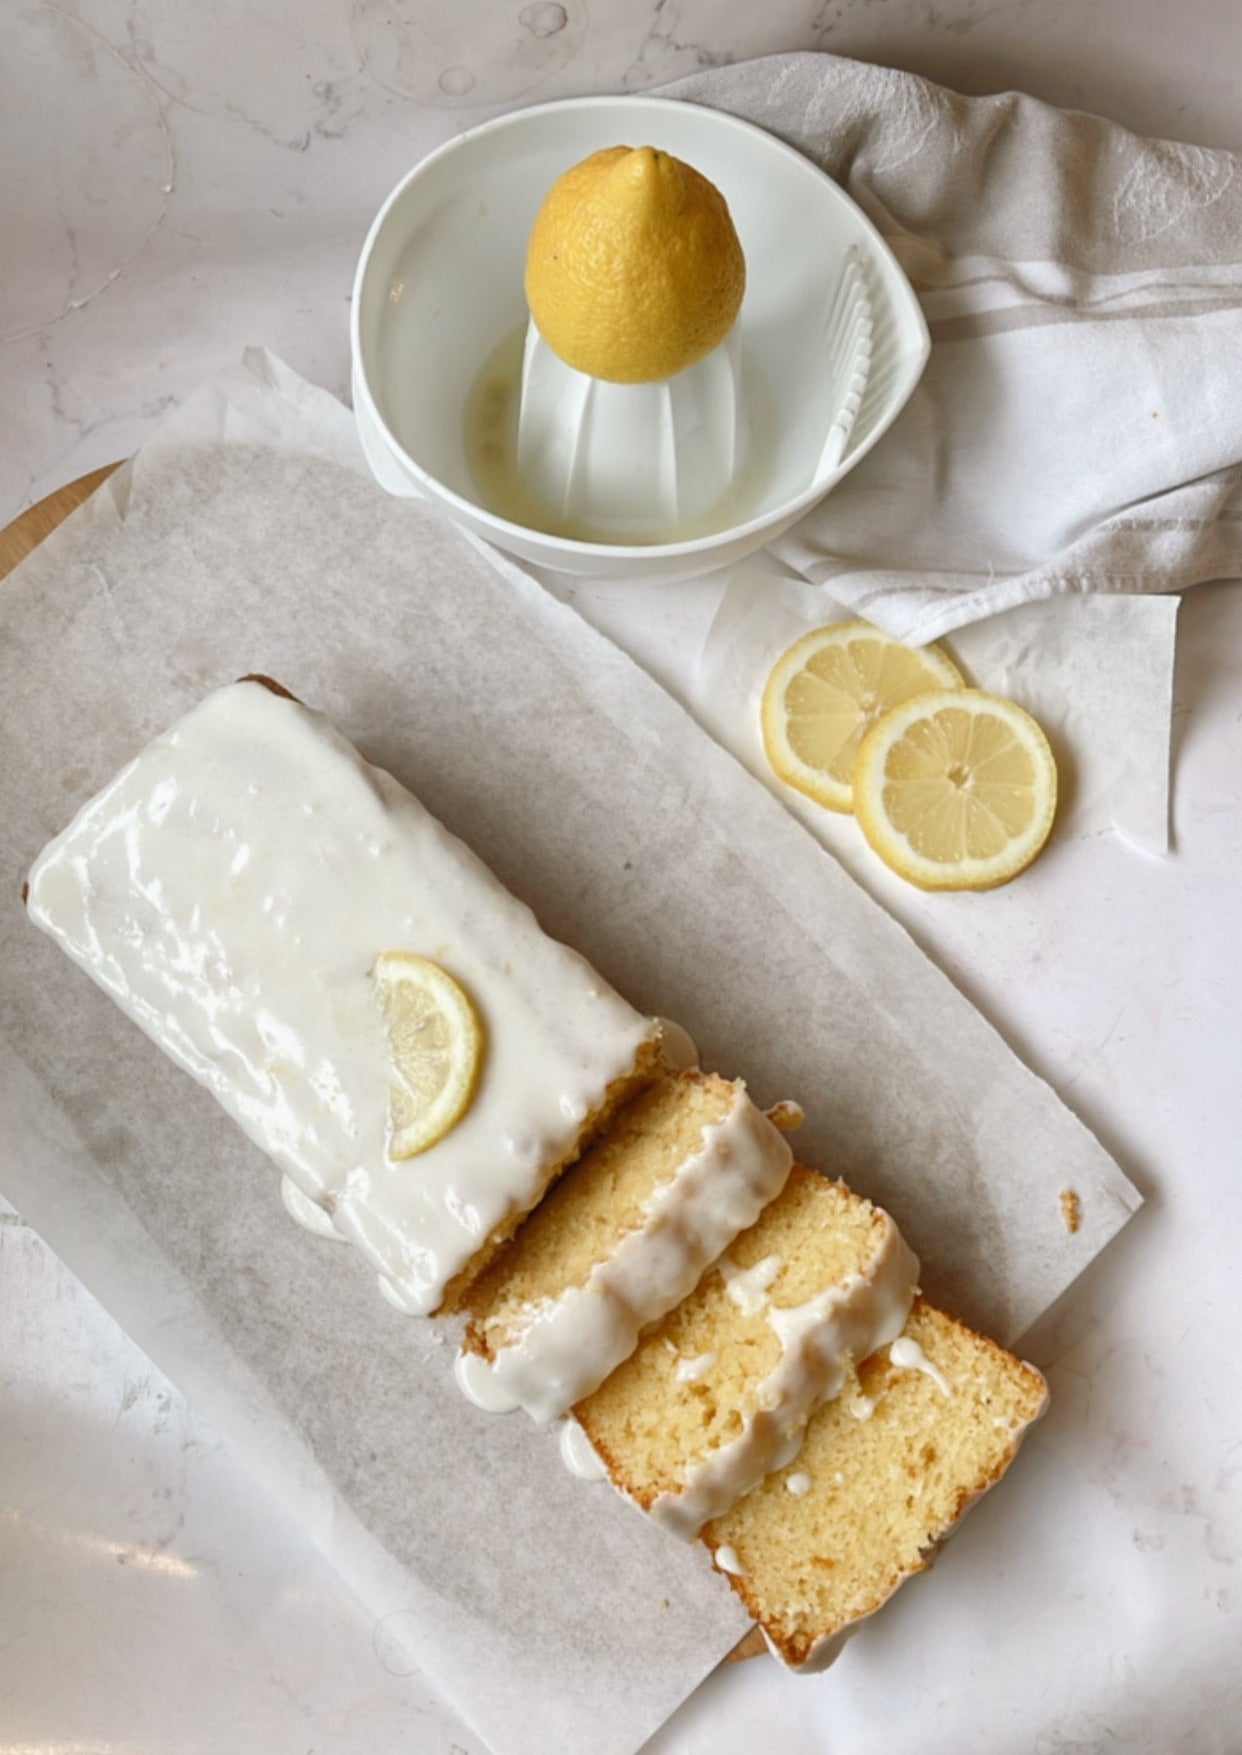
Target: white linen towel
[[1079, 425]]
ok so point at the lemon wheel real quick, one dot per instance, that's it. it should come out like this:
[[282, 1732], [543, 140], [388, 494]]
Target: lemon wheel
[[956, 789], [435, 1046], [827, 690]]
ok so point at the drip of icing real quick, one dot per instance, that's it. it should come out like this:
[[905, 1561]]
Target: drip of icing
[[307, 1212], [678, 1048], [819, 1339], [398, 1297], [788, 1450], [569, 1344], [477, 1383], [906, 1353], [231, 889], [798, 1483], [726, 1558], [692, 1370], [579, 1455], [748, 1287]]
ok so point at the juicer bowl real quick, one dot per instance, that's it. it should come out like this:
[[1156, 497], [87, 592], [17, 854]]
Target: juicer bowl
[[439, 290]]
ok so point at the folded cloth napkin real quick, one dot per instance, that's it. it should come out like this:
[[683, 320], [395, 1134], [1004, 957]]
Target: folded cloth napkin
[[1079, 425]]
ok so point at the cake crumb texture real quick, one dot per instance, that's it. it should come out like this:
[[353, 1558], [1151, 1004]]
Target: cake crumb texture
[[886, 1488], [651, 1424]]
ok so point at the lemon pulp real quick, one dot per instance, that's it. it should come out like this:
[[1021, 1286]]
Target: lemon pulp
[[956, 789], [827, 690]]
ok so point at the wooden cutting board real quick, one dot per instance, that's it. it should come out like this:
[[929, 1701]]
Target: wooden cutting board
[[23, 535], [27, 531]]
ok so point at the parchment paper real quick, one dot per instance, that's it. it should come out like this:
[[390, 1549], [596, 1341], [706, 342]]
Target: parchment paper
[[553, 1614]]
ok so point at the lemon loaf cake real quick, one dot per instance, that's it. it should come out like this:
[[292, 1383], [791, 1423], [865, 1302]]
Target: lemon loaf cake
[[623, 1237], [718, 1393], [355, 987], [884, 1474]]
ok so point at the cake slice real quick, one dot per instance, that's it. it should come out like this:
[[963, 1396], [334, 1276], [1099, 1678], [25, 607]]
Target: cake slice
[[884, 1474], [236, 889], [623, 1237], [719, 1392]]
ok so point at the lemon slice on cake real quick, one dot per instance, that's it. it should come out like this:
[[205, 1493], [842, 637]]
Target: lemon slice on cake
[[435, 1044], [827, 690], [956, 789]]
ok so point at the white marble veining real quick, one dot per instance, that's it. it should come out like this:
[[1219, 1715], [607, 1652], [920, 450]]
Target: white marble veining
[[192, 178]]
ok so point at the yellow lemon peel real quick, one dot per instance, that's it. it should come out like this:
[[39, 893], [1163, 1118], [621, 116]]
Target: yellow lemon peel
[[634, 270]]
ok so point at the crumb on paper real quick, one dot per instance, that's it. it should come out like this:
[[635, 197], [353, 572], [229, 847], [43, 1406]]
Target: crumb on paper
[[1071, 1210], [787, 1115]]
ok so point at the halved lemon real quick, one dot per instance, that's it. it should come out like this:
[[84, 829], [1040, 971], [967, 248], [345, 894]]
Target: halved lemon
[[825, 693], [956, 789], [436, 1046]]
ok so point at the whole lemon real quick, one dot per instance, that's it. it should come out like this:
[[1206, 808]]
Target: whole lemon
[[634, 270]]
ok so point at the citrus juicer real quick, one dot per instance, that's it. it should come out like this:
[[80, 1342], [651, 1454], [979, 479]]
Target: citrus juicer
[[631, 459], [640, 460], [827, 349]]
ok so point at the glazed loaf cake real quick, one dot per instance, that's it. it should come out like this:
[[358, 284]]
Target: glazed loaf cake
[[740, 1340], [820, 1424], [232, 890], [623, 1237]]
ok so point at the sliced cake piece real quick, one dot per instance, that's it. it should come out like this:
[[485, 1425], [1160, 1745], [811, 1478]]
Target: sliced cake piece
[[884, 1474], [350, 981], [623, 1237], [718, 1393]]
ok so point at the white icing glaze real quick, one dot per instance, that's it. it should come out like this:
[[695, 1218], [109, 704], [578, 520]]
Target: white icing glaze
[[678, 1048], [397, 1296], [579, 1455], [726, 1558], [306, 1212], [475, 1380], [787, 1451], [906, 1353], [798, 1483], [748, 1287], [819, 1340], [692, 1370], [231, 889], [570, 1343]]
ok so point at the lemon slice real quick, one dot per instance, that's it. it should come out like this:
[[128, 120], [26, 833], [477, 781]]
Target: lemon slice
[[436, 1045], [827, 690], [956, 789]]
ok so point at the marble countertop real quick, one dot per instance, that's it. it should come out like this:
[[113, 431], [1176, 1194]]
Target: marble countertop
[[192, 179]]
